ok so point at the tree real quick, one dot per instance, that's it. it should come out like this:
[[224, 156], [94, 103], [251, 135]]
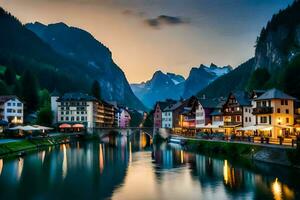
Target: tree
[[258, 79], [95, 90], [45, 115], [291, 78], [3, 88], [44, 97], [29, 91], [9, 76]]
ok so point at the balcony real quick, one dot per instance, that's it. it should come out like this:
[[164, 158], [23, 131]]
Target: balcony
[[232, 123], [262, 110]]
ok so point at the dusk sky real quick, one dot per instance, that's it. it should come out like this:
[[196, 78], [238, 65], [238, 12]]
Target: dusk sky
[[170, 35]]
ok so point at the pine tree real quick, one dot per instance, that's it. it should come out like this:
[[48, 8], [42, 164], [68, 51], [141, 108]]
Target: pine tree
[[9, 76], [29, 91], [95, 90]]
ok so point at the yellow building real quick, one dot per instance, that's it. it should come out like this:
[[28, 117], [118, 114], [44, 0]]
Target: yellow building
[[275, 110]]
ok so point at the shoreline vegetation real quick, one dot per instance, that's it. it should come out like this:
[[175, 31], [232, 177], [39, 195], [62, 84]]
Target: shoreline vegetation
[[280, 156]]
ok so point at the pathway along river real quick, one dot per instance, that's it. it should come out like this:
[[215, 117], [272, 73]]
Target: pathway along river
[[131, 168]]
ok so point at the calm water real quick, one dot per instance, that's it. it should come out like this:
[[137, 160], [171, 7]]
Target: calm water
[[130, 168]]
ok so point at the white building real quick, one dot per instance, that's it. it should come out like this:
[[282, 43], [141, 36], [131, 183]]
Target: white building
[[167, 118], [11, 109], [75, 108], [200, 116]]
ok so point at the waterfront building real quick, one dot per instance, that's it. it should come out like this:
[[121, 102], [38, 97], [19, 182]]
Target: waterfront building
[[274, 113], [123, 118], [11, 109], [237, 111], [82, 111], [182, 114], [208, 113], [158, 109]]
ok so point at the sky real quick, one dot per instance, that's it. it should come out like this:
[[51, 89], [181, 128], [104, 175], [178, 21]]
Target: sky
[[169, 35]]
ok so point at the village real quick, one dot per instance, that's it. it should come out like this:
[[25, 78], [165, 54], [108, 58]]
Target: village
[[262, 116]]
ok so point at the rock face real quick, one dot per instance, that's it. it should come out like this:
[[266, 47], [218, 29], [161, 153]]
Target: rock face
[[160, 87], [171, 86], [96, 59], [201, 77], [276, 46]]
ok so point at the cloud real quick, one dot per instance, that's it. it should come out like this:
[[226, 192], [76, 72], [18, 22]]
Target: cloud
[[165, 20]]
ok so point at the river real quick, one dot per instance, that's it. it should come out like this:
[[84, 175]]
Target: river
[[132, 168]]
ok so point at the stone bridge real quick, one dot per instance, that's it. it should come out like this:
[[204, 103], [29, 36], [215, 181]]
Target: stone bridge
[[123, 131]]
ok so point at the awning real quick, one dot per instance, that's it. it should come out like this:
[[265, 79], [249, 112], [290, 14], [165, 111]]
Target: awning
[[209, 126], [65, 126], [78, 126], [284, 126], [25, 128], [255, 128], [42, 127]]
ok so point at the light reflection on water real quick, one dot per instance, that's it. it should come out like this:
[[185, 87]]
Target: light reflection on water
[[129, 168]]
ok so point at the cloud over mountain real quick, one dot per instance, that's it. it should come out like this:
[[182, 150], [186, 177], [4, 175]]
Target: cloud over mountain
[[165, 20]]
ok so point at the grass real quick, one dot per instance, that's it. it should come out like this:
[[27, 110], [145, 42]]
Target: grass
[[223, 148], [14, 147]]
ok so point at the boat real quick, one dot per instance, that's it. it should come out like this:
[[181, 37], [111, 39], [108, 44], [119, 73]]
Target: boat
[[177, 140]]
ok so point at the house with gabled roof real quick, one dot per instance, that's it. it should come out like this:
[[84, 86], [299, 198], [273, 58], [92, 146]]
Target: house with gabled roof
[[158, 111], [237, 111], [274, 110]]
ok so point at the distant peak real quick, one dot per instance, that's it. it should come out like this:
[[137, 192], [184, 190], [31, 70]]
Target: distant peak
[[59, 24], [212, 65]]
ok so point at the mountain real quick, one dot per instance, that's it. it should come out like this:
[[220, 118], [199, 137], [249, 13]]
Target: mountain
[[160, 87], [200, 77], [93, 58], [275, 62], [171, 86]]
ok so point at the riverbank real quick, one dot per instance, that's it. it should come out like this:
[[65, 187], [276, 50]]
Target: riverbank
[[269, 154], [14, 148]]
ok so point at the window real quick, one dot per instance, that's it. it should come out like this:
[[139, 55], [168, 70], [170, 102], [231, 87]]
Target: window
[[287, 111], [8, 104], [19, 104], [264, 103], [282, 102], [14, 104], [246, 110], [246, 119], [286, 102], [287, 120], [258, 104], [62, 119], [77, 118], [9, 110], [19, 111], [249, 119], [72, 118], [67, 118], [82, 118], [278, 110], [263, 120], [238, 118]]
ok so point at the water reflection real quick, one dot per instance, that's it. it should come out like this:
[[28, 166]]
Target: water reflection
[[129, 167]]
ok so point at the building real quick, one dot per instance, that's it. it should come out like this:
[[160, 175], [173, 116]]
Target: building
[[11, 109], [209, 112], [274, 113], [181, 114], [158, 109], [237, 111], [82, 111], [54, 105], [124, 118]]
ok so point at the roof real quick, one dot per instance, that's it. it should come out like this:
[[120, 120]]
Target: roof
[[216, 112], [211, 103], [6, 98], [173, 106], [242, 98], [164, 104], [76, 96], [275, 94]]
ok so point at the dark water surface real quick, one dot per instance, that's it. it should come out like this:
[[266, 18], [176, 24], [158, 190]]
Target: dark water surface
[[131, 168]]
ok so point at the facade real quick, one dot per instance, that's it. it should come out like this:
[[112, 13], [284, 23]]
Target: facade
[[167, 119], [79, 108], [209, 112], [237, 111], [11, 109], [158, 109], [275, 111], [124, 118]]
